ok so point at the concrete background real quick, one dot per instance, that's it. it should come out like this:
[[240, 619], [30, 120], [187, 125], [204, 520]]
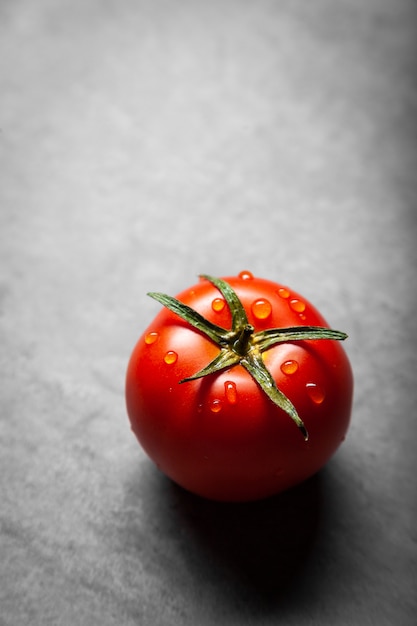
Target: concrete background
[[142, 143]]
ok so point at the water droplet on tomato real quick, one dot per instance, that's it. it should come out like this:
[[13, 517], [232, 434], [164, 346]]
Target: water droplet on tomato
[[171, 357], [261, 309], [297, 305], [218, 304], [215, 406], [231, 392], [150, 338], [302, 317], [315, 393], [283, 292], [289, 367], [246, 275]]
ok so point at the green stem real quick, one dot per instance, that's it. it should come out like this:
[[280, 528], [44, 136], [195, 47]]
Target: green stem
[[241, 345]]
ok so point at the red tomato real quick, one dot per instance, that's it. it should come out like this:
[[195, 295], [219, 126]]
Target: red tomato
[[270, 411]]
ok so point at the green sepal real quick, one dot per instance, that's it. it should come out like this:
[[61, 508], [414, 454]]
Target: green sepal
[[214, 332], [254, 364], [237, 310], [266, 339], [225, 359]]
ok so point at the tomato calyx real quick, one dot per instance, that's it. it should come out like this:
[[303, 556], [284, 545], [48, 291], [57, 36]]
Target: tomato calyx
[[242, 345]]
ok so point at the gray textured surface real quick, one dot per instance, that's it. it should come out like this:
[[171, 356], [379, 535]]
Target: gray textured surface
[[145, 142]]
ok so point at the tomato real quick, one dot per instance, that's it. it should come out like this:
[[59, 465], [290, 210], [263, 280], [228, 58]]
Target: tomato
[[238, 389]]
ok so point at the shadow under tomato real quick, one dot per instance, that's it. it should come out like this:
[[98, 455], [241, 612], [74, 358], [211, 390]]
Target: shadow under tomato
[[257, 548], [249, 559]]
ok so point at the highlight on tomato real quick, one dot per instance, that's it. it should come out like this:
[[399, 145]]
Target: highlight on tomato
[[239, 389]]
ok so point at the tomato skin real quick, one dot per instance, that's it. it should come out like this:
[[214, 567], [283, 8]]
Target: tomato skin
[[220, 436]]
